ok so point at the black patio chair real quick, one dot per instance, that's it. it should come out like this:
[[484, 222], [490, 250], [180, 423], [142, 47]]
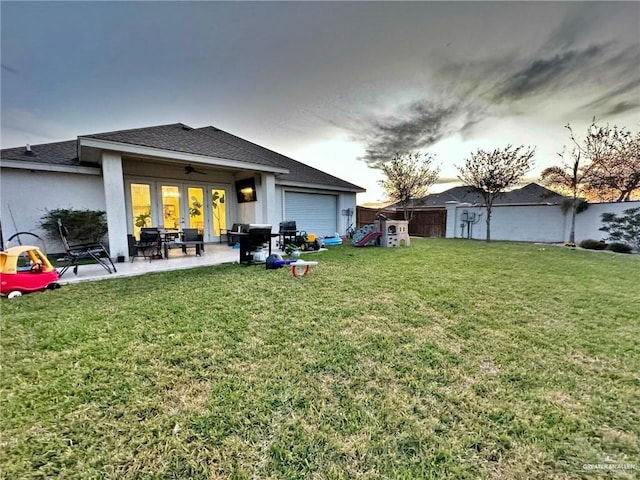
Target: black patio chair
[[83, 251], [192, 239], [149, 245], [231, 234]]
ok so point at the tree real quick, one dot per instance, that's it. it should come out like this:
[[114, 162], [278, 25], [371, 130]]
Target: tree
[[491, 173], [572, 177], [614, 153], [408, 175], [624, 228]]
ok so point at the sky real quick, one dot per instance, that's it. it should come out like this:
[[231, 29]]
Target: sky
[[340, 86]]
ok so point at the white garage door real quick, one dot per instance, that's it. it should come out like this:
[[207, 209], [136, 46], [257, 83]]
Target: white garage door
[[312, 213]]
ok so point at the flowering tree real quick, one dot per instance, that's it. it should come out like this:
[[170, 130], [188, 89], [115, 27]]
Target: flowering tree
[[408, 175], [491, 173], [614, 161]]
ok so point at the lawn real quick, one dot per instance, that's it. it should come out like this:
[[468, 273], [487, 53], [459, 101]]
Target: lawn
[[447, 359]]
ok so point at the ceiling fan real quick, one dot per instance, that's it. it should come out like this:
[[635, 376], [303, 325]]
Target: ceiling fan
[[191, 169]]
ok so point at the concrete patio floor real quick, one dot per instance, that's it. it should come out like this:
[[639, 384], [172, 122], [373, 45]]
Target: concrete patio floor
[[214, 254]]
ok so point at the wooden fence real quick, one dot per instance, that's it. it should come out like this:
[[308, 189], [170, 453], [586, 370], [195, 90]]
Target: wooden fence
[[431, 222]]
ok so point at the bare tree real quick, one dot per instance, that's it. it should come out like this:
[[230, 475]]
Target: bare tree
[[408, 175], [614, 154], [491, 173], [571, 177]]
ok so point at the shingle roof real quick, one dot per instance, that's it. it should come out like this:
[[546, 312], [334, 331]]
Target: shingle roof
[[298, 172], [531, 193], [60, 153], [178, 137]]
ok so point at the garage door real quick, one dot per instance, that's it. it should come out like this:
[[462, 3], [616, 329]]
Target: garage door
[[312, 213]]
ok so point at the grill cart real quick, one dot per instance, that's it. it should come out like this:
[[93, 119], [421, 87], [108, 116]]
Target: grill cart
[[254, 238]]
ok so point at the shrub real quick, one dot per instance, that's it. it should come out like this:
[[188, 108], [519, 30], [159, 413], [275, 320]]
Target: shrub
[[624, 228], [82, 225], [591, 244], [619, 247]]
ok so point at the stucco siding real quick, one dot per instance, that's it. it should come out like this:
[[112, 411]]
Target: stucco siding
[[29, 194], [589, 222], [532, 223]]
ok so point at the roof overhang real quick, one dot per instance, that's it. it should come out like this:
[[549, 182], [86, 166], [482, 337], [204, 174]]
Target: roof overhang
[[318, 186], [151, 152], [50, 167]]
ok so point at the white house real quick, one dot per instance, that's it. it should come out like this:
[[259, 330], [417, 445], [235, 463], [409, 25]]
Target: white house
[[174, 176]]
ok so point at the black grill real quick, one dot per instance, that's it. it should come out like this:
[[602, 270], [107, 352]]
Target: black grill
[[288, 227], [288, 231], [256, 236]]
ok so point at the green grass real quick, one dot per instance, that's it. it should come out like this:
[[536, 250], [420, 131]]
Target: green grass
[[448, 359]]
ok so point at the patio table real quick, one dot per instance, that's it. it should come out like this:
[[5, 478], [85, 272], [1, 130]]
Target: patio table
[[168, 237]]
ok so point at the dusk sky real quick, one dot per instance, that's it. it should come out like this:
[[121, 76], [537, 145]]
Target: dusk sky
[[336, 85]]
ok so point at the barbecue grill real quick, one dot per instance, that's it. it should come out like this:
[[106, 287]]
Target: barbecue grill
[[287, 234], [253, 238]]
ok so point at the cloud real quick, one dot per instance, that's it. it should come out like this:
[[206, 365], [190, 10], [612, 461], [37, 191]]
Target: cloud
[[584, 60], [546, 74], [20, 126], [576, 26], [9, 69], [622, 107], [419, 125], [616, 95], [471, 93]]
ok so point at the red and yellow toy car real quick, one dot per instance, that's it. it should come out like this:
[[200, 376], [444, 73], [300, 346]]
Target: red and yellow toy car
[[25, 269]]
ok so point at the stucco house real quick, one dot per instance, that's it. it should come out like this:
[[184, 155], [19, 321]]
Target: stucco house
[[174, 176]]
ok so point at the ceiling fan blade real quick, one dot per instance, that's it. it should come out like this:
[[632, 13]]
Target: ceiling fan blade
[[191, 169]]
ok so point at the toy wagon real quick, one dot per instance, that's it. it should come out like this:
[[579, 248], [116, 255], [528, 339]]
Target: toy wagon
[[25, 269]]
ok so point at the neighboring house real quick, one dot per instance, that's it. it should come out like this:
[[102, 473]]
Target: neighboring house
[[172, 176], [528, 195]]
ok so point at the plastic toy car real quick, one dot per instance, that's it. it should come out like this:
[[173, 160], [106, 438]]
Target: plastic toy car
[[303, 241], [25, 269]]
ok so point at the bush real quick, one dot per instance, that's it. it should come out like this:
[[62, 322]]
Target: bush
[[623, 228], [591, 244], [620, 247], [83, 225]]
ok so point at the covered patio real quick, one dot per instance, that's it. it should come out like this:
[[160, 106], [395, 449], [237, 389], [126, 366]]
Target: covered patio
[[214, 254]]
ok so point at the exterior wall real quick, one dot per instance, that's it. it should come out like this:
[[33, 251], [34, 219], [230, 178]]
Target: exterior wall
[[589, 221], [344, 201], [30, 193], [532, 223]]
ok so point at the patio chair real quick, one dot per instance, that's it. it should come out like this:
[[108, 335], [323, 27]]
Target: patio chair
[[192, 239], [83, 251], [149, 245], [231, 234]]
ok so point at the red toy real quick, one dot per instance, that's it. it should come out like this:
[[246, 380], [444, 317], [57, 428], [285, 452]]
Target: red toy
[[25, 269]]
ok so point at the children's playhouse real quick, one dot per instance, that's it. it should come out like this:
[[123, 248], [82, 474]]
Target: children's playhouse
[[384, 232]]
